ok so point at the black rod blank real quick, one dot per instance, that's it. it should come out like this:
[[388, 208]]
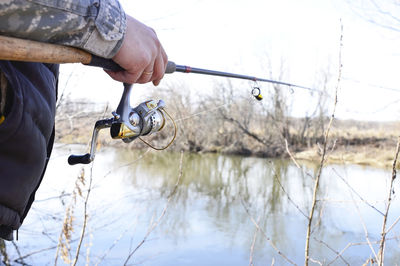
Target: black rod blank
[[172, 67]]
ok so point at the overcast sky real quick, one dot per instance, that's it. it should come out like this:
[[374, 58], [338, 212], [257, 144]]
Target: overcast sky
[[255, 37]]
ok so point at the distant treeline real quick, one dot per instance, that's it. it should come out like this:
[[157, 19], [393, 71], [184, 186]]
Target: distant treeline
[[227, 121]]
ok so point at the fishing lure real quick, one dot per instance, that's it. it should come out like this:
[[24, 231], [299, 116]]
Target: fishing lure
[[256, 92]]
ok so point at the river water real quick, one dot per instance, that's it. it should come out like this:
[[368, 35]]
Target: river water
[[211, 217]]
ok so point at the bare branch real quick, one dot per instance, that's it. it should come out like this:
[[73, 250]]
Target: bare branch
[[289, 198], [394, 223], [364, 227], [85, 217], [389, 201], [153, 225], [290, 154], [265, 235], [253, 244], [332, 249], [245, 130], [355, 192], [20, 259], [111, 247], [64, 239], [357, 244], [322, 162], [377, 15], [3, 253], [315, 261], [318, 223]]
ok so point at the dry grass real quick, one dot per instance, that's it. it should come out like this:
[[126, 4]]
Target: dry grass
[[362, 155], [362, 143]]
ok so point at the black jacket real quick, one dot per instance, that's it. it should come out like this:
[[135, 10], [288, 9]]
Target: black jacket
[[26, 138]]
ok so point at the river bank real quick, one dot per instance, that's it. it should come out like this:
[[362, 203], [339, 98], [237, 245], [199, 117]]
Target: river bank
[[367, 155], [350, 142], [358, 142]]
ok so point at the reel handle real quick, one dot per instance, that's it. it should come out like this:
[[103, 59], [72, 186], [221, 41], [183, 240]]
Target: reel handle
[[89, 157], [76, 159]]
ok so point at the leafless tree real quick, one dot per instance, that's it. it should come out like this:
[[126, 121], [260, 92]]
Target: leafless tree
[[385, 14]]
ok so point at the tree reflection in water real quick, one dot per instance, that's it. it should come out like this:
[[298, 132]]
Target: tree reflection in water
[[216, 190], [207, 222]]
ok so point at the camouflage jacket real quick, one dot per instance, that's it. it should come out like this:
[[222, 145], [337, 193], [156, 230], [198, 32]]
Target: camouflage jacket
[[97, 26], [27, 131]]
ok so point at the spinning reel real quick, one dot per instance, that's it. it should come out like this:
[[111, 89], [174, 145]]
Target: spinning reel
[[128, 123]]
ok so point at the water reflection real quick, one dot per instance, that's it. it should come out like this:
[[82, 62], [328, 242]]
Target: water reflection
[[275, 192], [207, 223]]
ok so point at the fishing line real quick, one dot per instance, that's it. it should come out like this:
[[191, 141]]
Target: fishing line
[[172, 140], [372, 85], [201, 112], [255, 92]]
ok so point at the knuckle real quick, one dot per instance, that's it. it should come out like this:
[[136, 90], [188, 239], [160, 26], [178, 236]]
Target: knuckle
[[158, 44], [154, 32], [144, 79], [144, 59], [142, 62]]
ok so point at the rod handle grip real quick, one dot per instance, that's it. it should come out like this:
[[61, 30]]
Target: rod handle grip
[[105, 63], [79, 159], [109, 64]]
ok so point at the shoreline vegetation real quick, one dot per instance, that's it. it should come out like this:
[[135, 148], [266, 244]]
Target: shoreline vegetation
[[243, 127]]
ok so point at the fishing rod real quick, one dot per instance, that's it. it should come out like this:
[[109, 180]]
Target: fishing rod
[[128, 123], [256, 92], [16, 49], [172, 67]]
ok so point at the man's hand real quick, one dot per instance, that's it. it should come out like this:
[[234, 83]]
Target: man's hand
[[141, 55]]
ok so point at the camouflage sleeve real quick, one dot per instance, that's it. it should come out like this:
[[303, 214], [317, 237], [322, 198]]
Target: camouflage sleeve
[[97, 26]]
